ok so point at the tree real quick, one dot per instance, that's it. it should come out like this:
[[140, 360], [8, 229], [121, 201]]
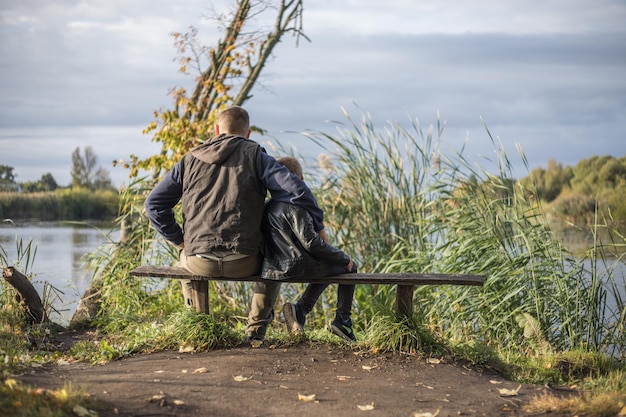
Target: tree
[[6, 173], [45, 183], [7, 179], [48, 183], [577, 192], [234, 66], [549, 182], [613, 174], [86, 173]]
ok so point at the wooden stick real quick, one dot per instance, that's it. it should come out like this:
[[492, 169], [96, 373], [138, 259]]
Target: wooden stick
[[30, 300]]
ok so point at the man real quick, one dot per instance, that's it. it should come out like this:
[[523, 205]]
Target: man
[[223, 184]]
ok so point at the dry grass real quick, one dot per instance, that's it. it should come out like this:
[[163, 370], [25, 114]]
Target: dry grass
[[602, 405], [21, 400]]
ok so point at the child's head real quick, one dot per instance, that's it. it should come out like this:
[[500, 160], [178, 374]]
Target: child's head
[[292, 164]]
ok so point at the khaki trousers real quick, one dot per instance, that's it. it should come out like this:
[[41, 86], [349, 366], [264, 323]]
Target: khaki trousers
[[217, 265], [262, 308]]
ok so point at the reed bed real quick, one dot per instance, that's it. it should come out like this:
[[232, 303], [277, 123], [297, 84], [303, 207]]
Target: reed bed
[[398, 203], [62, 204]]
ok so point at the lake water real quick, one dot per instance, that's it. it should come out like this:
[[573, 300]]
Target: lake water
[[62, 246], [58, 260]]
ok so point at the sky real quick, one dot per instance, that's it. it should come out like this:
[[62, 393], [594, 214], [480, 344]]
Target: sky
[[545, 76]]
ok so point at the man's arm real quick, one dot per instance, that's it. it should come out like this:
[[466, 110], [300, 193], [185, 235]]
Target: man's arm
[[286, 187], [160, 204]]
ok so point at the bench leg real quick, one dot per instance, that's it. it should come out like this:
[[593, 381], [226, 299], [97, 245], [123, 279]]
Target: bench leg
[[200, 295], [404, 300]]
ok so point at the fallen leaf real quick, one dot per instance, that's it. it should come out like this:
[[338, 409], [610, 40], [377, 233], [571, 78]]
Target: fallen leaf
[[416, 414], [256, 343], [200, 371], [185, 348], [504, 392], [433, 360], [306, 398], [159, 372], [81, 411], [344, 377], [369, 368], [179, 402], [366, 407], [493, 381], [157, 397], [241, 378]]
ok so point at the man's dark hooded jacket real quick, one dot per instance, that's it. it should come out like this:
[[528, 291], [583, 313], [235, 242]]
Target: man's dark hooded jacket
[[223, 184]]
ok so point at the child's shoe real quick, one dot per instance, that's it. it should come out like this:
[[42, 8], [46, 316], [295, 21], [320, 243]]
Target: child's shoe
[[343, 329], [294, 318]]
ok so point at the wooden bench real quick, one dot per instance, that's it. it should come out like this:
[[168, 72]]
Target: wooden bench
[[405, 283]]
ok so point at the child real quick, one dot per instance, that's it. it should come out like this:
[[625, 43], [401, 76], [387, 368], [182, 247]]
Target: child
[[293, 249]]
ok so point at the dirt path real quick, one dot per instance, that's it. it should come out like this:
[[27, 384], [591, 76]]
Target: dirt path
[[268, 381]]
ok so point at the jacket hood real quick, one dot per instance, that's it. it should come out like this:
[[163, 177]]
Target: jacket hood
[[216, 150]]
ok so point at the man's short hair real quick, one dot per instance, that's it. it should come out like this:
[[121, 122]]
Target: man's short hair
[[292, 164], [235, 121]]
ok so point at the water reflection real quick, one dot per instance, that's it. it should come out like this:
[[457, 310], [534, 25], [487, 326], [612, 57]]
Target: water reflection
[[579, 239]]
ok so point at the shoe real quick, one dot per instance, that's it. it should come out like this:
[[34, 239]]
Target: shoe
[[343, 329], [294, 318]]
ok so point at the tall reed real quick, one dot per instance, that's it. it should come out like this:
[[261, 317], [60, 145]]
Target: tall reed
[[398, 203]]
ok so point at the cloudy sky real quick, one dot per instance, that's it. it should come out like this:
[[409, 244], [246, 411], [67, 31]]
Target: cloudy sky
[[546, 74]]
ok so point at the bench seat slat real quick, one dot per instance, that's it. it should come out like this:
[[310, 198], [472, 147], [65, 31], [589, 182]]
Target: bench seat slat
[[359, 278]]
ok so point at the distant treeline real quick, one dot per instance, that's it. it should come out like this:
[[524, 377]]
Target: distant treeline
[[567, 193], [575, 193], [61, 204]]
